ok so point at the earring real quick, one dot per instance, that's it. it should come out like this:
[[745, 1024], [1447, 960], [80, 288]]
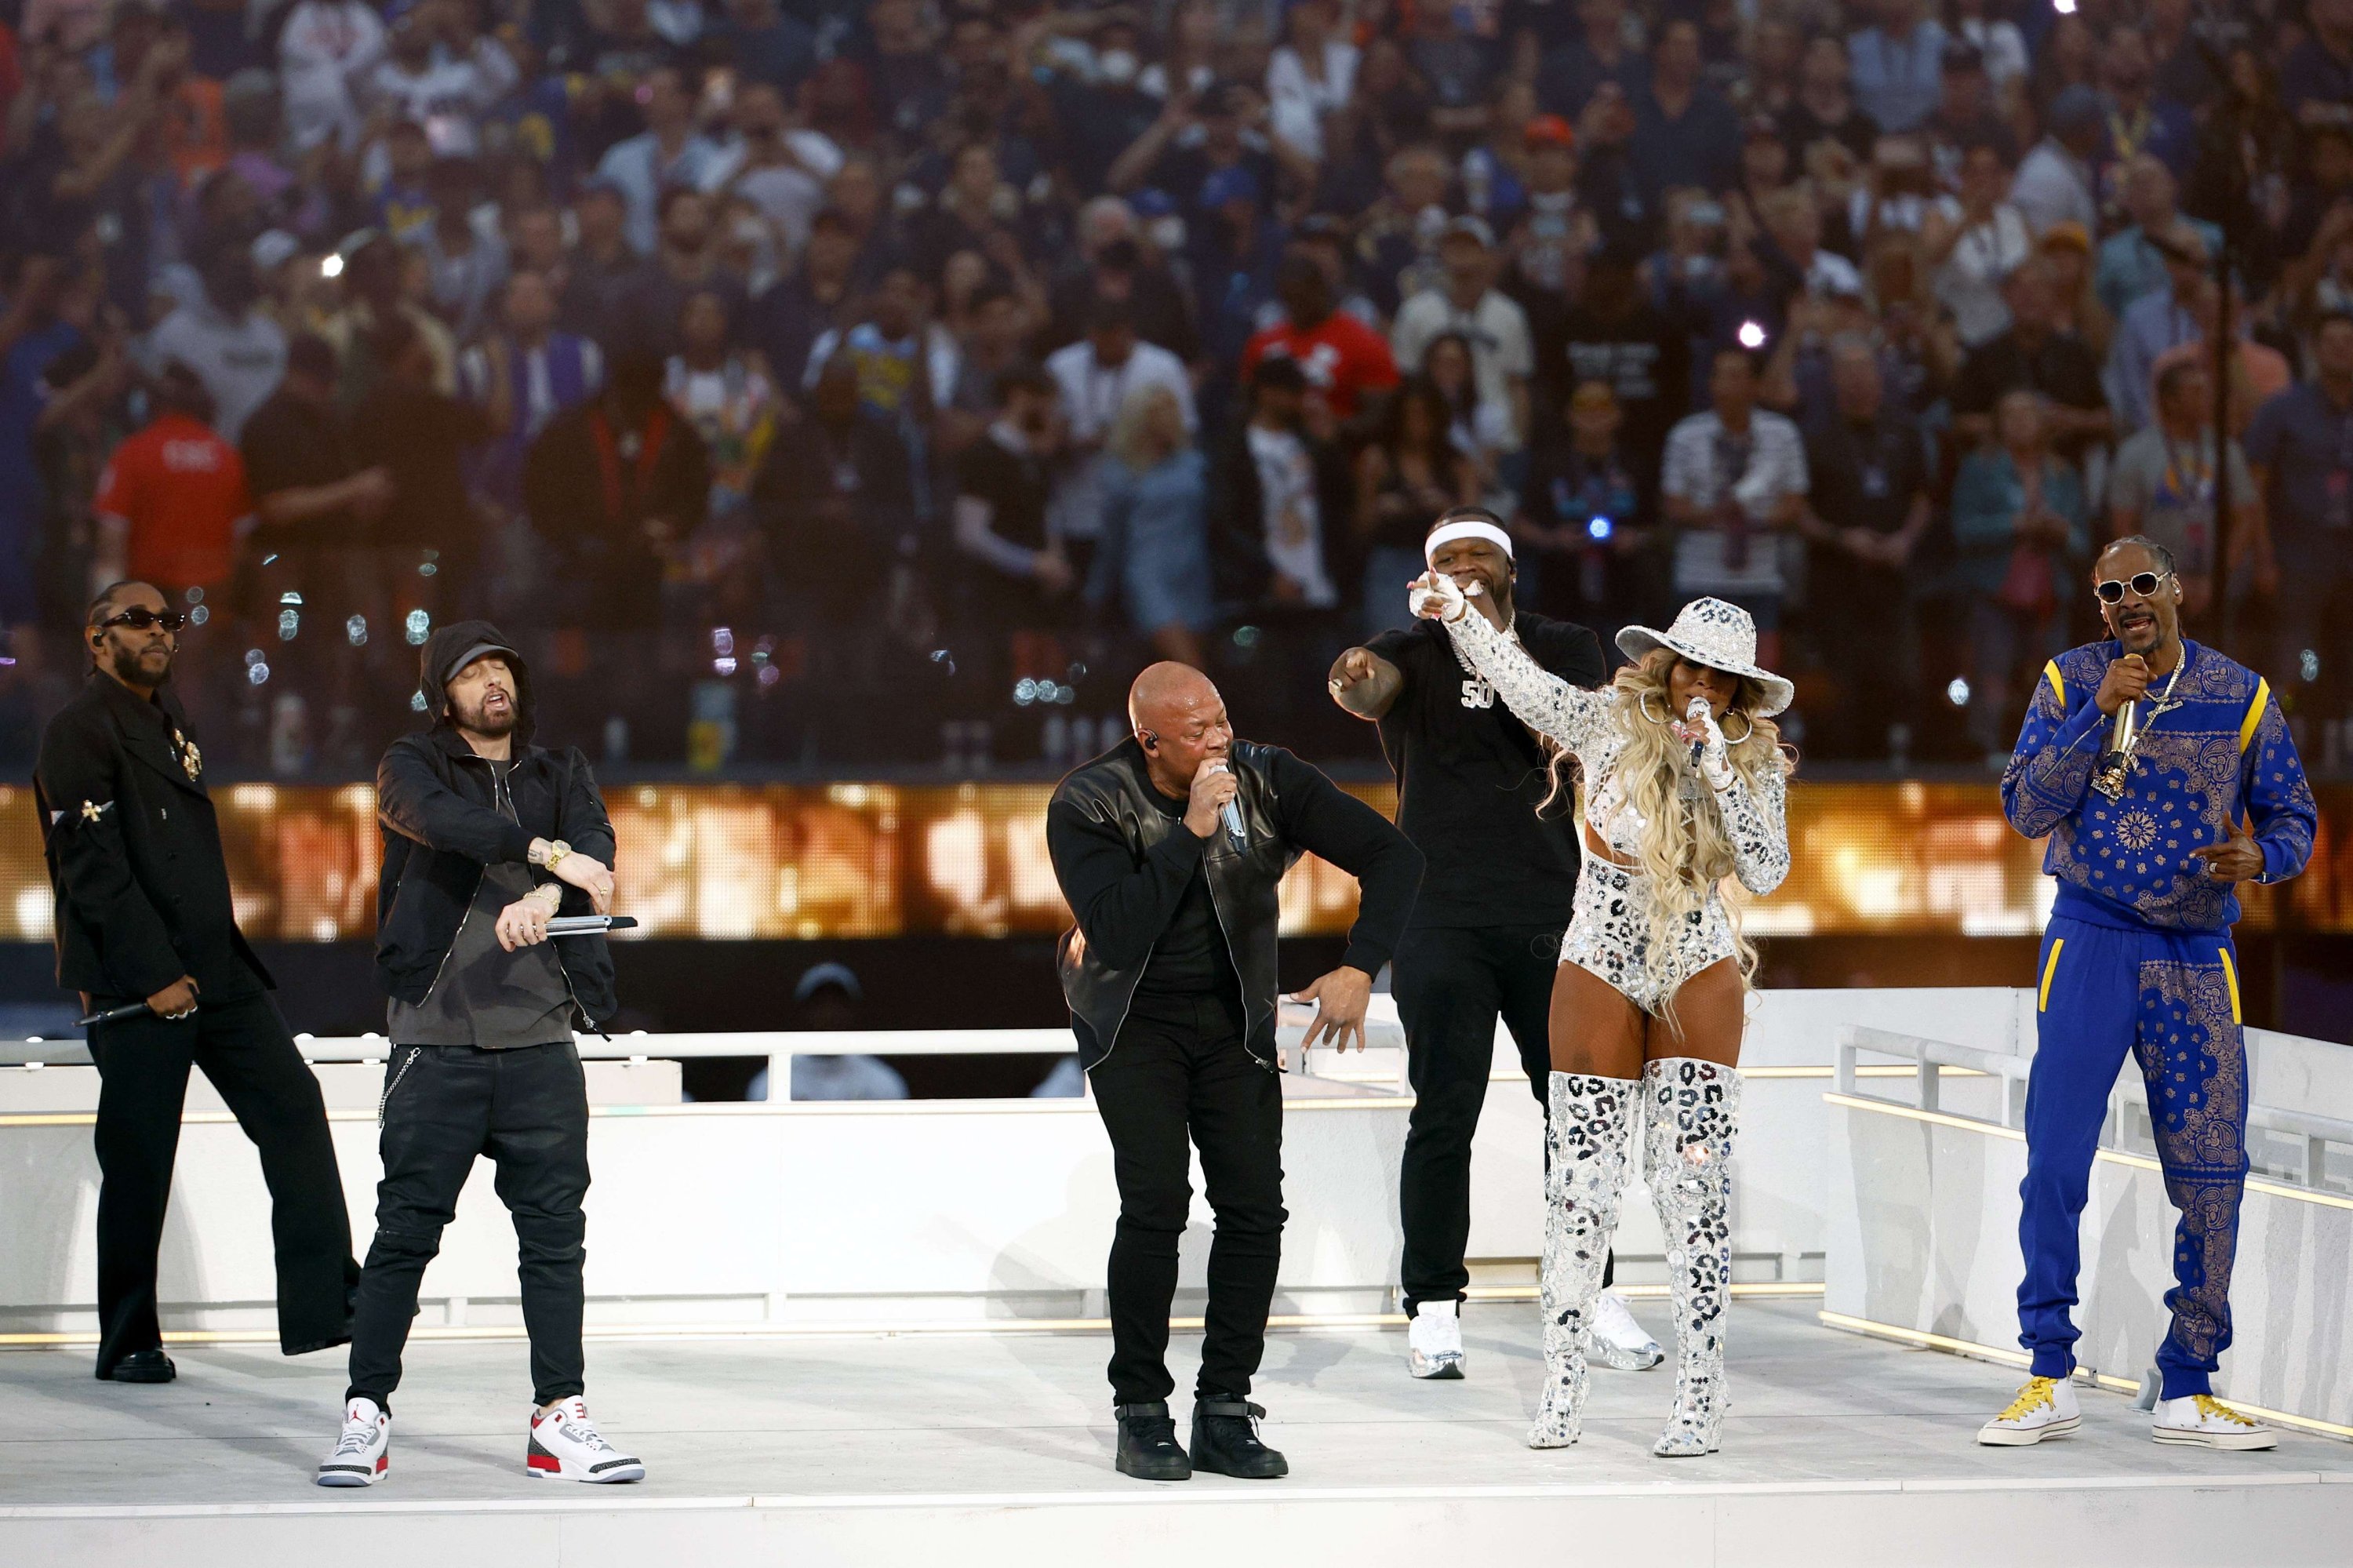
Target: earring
[[1745, 734], [1644, 702]]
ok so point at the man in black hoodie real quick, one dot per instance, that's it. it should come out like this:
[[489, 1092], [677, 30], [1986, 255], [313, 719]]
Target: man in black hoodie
[[486, 837]]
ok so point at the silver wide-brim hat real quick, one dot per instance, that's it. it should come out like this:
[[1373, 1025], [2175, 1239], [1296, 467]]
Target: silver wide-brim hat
[[1719, 635]]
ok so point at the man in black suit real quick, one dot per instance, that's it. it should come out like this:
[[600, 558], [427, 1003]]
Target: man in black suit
[[144, 914]]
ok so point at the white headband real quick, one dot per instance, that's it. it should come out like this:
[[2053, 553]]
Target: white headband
[[1468, 528]]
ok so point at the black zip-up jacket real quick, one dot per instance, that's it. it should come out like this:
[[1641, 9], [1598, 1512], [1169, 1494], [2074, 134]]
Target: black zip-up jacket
[[1124, 864], [134, 852], [440, 827]]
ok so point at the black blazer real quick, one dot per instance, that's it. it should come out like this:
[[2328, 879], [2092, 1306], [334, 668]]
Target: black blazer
[[134, 852]]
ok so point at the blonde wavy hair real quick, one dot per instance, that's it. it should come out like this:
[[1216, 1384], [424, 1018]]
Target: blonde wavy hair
[[1685, 849]]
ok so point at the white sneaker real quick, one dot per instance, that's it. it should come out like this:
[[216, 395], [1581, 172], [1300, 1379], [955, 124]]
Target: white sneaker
[[1434, 1341], [1617, 1341], [364, 1452], [2045, 1407], [2206, 1422], [566, 1447]]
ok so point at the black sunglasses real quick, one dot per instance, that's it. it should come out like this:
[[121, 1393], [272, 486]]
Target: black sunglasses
[[2144, 584], [138, 617]]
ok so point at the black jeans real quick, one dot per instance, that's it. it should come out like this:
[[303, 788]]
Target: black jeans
[[1180, 1068], [1451, 986], [243, 1047], [527, 1109]]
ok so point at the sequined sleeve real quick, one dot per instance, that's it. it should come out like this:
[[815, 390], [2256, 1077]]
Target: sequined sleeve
[[1568, 714], [1756, 818]]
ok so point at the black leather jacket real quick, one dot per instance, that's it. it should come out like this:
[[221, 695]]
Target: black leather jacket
[[1124, 864]]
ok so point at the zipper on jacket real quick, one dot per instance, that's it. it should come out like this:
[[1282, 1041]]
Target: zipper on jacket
[[1227, 938], [515, 816]]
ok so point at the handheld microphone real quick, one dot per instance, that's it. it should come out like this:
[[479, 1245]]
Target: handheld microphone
[[590, 925], [1694, 712], [114, 1015], [1231, 813]]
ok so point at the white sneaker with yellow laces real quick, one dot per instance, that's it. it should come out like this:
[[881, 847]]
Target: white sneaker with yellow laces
[[2203, 1421], [2045, 1407]]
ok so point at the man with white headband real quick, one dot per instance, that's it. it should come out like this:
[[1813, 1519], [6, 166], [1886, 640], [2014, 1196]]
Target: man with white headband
[[1486, 931]]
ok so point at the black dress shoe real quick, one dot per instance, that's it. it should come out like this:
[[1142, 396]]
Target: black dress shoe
[[144, 1366], [1147, 1444], [1224, 1440]]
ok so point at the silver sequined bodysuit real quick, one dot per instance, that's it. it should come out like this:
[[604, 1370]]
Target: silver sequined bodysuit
[[1610, 934]]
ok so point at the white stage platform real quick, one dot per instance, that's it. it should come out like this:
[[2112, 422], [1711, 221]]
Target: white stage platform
[[986, 1449]]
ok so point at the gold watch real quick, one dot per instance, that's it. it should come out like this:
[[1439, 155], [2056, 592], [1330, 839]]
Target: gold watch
[[556, 849]]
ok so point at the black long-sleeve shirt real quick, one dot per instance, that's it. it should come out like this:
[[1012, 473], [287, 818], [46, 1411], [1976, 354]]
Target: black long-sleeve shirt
[[1163, 906]]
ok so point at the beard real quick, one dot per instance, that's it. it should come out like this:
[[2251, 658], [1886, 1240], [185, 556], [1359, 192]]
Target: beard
[[129, 667], [474, 720]]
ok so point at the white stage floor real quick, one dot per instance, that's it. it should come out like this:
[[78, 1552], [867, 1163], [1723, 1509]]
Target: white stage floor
[[996, 1448]]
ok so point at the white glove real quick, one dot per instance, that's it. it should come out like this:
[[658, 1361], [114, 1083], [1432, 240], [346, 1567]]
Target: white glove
[[1715, 756], [1434, 595]]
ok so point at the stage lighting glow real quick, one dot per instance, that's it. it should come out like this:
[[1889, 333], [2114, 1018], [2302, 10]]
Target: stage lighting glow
[[1599, 528], [1751, 335], [850, 860], [330, 266], [1956, 692]]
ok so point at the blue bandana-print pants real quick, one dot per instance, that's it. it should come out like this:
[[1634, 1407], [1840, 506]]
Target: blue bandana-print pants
[[2172, 999]]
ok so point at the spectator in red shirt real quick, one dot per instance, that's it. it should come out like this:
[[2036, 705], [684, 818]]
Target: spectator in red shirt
[[172, 502], [1344, 360]]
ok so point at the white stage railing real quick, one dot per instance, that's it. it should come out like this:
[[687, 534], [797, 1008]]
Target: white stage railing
[[779, 1216], [1922, 1217], [2312, 1132]]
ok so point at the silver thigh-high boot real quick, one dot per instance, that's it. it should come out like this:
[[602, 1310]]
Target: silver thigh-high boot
[[1587, 1132], [1691, 1109]]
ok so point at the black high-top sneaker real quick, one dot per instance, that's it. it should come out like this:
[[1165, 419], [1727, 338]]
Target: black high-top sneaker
[[1148, 1449], [1224, 1440]]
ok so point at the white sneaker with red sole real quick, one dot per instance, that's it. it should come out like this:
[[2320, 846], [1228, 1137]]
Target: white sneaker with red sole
[[566, 1447], [364, 1453]]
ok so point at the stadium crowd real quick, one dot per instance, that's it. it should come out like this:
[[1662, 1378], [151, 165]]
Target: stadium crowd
[[850, 381]]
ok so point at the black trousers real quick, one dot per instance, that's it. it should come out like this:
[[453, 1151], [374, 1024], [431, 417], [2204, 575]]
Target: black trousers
[[1179, 1071], [243, 1047], [527, 1109], [1451, 986]]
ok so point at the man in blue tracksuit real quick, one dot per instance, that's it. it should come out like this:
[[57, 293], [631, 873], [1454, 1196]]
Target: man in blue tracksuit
[[2138, 958]]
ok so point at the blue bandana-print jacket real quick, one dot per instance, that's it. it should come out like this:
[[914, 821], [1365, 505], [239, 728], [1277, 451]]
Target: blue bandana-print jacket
[[2223, 753]]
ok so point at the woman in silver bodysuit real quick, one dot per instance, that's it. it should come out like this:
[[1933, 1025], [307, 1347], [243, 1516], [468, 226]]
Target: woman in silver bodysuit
[[1647, 1009]]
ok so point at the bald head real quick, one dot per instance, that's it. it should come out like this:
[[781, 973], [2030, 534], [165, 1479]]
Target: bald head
[[1165, 693], [1180, 722]]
